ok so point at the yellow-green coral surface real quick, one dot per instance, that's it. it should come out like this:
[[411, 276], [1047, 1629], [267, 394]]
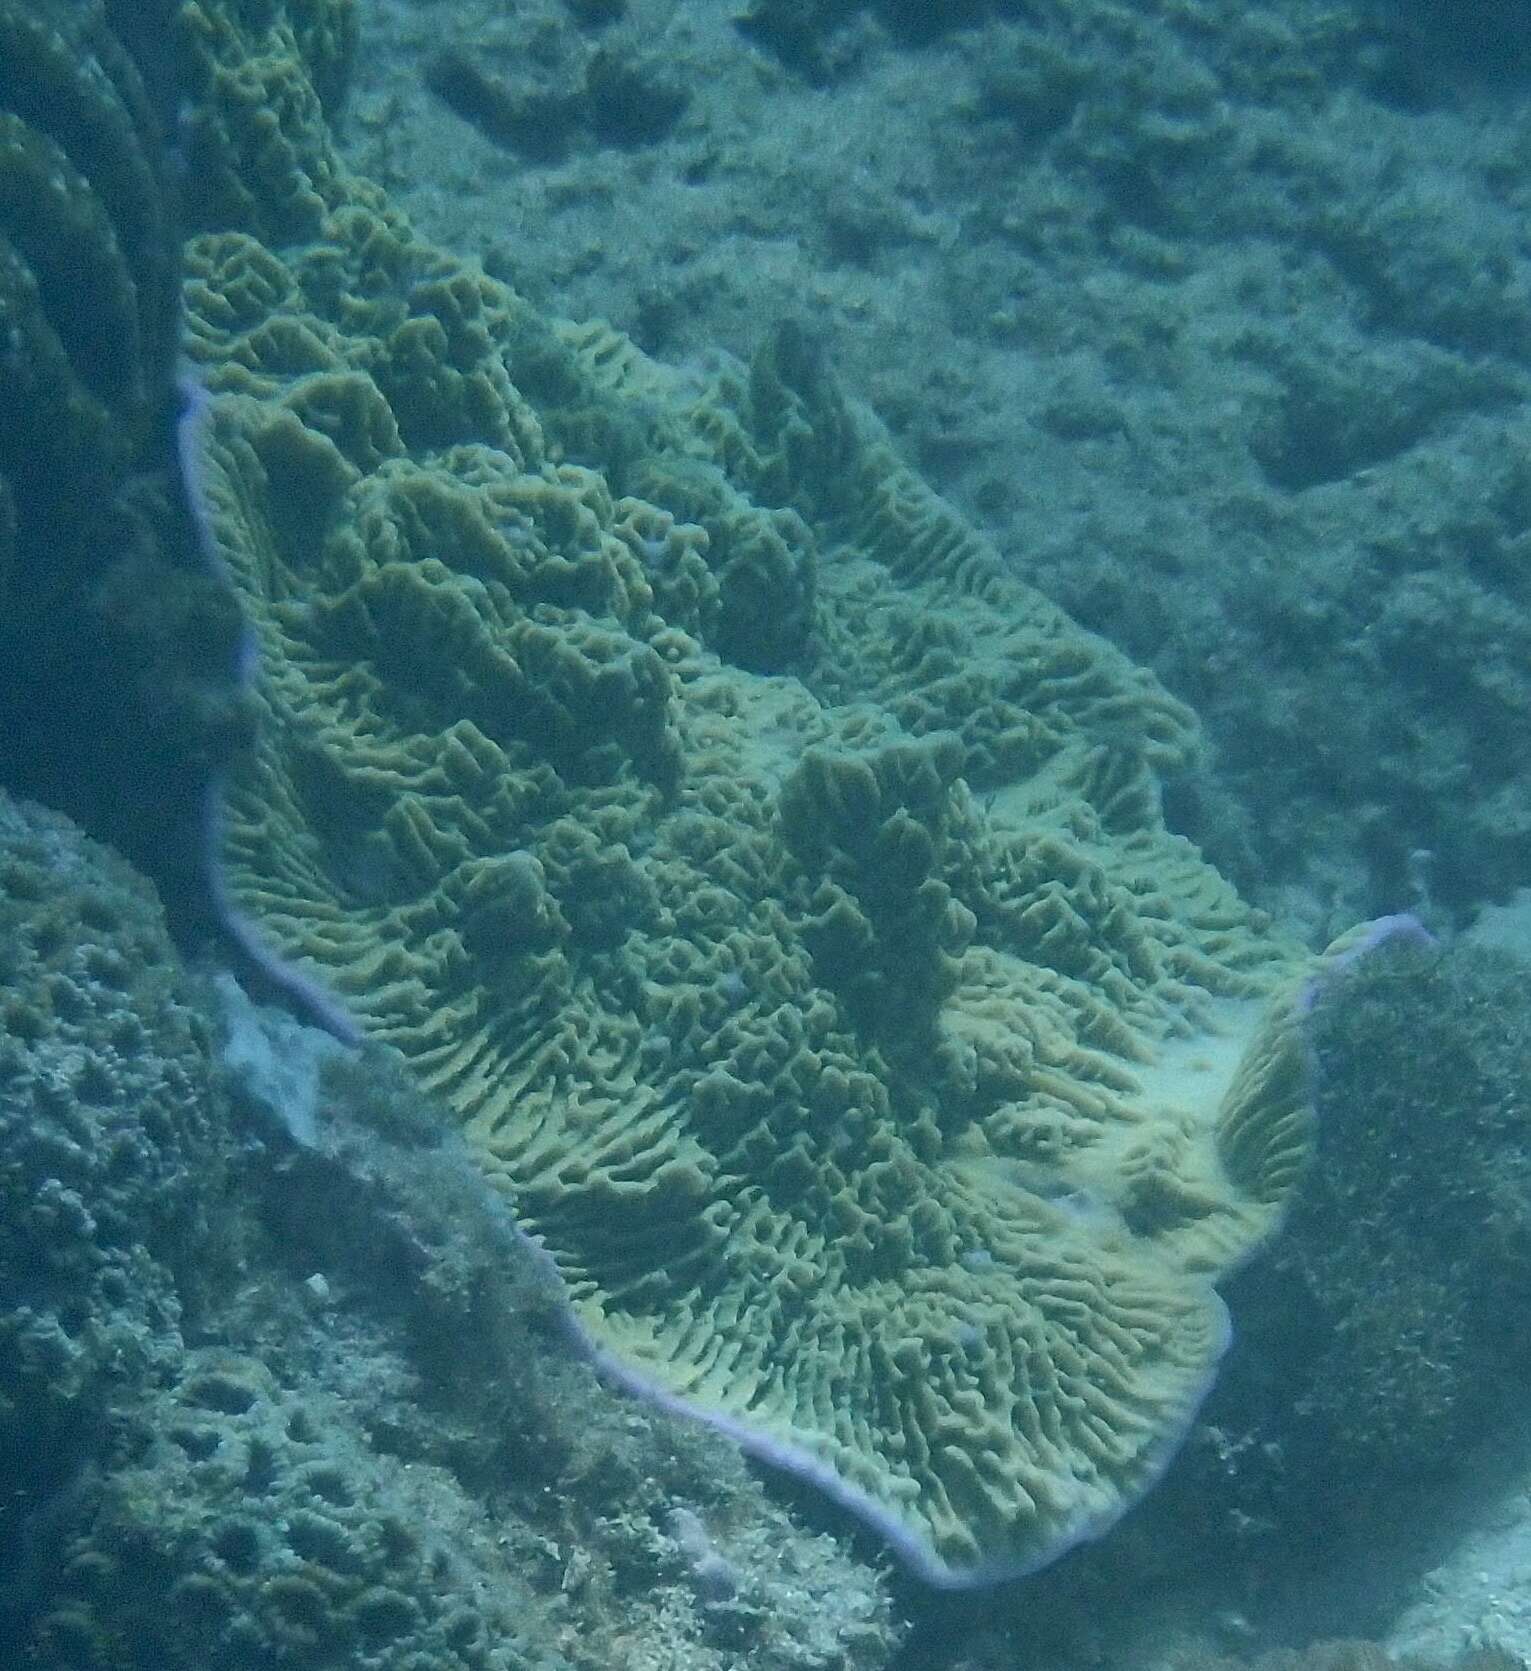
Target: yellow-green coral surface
[[772, 885]]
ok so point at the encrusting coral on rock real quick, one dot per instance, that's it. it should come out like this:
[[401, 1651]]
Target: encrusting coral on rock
[[770, 884], [837, 1014]]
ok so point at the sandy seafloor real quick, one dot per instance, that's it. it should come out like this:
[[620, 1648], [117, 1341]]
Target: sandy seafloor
[[1216, 316]]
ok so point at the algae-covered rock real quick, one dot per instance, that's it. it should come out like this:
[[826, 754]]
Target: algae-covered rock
[[110, 1157], [87, 283], [1384, 1357], [285, 1384], [117, 647], [272, 1533]]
